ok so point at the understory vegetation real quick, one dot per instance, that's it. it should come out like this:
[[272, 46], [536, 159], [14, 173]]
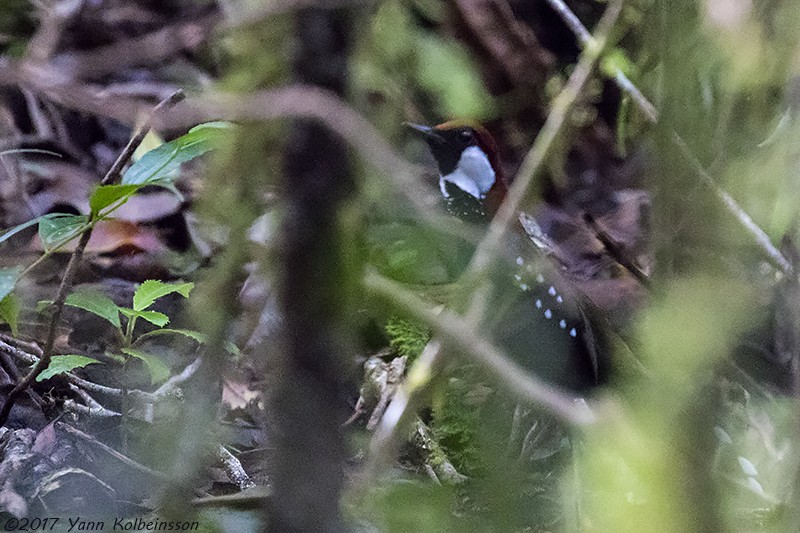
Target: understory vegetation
[[232, 297]]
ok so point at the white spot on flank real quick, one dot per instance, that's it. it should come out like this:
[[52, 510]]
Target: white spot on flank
[[517, 277], [559, 299], [473, 174], [551, 291], [538, 304], [539, 278], [524, 287], [548, 314], [520, 261], [573, 333], [562, 324]]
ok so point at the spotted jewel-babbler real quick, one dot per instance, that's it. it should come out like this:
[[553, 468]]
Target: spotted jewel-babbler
[[544, 322]]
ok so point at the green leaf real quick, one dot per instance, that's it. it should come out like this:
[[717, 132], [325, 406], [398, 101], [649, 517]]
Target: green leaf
[[159, 371], [60, 228], [190, 333], [97, 303], [160, 166], [154, 317], [8, 279], [9, 312], [151, 290], [65, 363], [201, 338], [105, 195]]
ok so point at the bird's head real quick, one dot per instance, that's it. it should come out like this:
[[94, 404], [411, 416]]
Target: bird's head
[[470, 177]]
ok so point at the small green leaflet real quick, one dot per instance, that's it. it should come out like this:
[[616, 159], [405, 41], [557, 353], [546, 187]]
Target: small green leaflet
[[97, 303], [201, 338], [9, 312], [64, 363], [8, 279], [151, 290], [105, 195], [160, 165], [190, 333], [154, 317], [159, 372], [60, 228]]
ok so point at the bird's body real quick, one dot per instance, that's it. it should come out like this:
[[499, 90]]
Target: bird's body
[[534, 313]]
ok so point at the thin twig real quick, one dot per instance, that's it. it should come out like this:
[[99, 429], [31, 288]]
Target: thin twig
[[234, 469], [91, 407], [616, 251], [69, 274], [116, 169], [760, 236], [586, 41]]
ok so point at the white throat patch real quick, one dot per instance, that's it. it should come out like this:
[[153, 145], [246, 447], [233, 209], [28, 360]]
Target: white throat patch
[[473, 174]]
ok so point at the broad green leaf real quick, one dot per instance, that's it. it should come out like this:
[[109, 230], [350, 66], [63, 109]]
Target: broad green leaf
[[154, 317], [151, 290], [58, 229], [105, 195], [8, 279], [160, 166], [65, 363], [159, 372], [97, 303], [9, 312]]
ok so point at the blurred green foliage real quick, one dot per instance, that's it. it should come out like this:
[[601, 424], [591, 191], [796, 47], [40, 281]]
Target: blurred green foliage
[[16, 26], [399, 65], [694, 443]]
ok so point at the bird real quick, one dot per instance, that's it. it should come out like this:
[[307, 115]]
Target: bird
[[540, 315], [470, 178]]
